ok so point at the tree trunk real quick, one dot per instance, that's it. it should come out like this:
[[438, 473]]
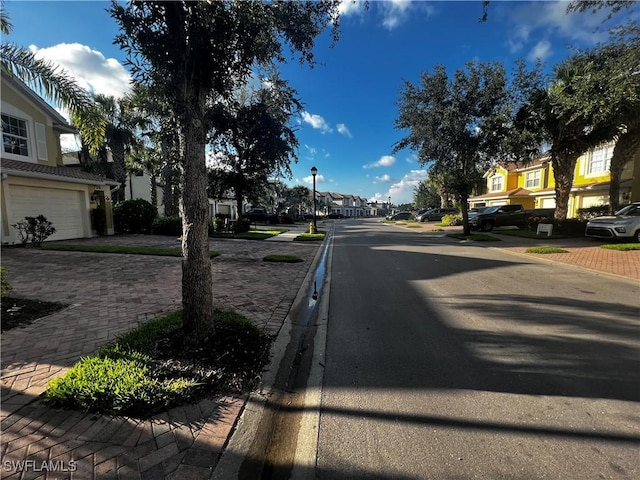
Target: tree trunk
[[626, 148], [119, 169], [563, 170], [197, 296], [153, 187], [466, 227]]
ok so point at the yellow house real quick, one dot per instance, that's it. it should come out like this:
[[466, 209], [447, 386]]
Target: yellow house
[[34, 178], [533, 185]]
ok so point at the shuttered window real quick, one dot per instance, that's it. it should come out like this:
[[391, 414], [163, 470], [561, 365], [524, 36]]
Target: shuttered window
[[41, 142]]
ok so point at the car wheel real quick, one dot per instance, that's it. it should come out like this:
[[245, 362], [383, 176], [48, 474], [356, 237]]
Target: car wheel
[[637, 236], [487, 226]]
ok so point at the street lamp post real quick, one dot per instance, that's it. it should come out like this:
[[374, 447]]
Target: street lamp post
[[389, 205], [314, 172]]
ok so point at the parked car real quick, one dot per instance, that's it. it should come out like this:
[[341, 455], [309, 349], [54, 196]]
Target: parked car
[[624, 224], [400, 216], [437, 214], [499, 216], [475, 211], [260, 215], [419, 213]]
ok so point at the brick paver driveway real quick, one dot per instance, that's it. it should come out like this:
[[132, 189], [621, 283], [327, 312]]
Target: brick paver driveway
[[109, 294]]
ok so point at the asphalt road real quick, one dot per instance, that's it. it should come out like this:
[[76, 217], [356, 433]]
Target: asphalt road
[[449, 360]]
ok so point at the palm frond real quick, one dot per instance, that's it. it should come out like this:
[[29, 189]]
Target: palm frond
[[53, 83]]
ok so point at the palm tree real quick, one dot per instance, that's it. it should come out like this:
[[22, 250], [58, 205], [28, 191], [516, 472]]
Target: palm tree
[[53, 83]]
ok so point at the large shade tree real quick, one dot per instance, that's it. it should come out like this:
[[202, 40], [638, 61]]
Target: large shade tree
[[548, 123], [457, 124], [197, 53], [254, 140], [607, 93]]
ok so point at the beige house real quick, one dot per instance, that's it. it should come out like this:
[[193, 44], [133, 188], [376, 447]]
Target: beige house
[[34, 178]]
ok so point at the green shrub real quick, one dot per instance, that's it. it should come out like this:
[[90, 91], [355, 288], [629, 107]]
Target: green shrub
[[586, 214], [167, 226], [286, 220], [5, 286], [451, 220], [34, 230], [242, 225], [571, 227], [534, 220], [134, 216], [115, 382], [154, 367], [99, 221]]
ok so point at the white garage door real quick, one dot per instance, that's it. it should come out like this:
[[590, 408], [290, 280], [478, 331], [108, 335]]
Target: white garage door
[[548, 203], [63, 208]]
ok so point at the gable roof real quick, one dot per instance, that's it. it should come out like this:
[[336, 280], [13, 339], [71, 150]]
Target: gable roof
[[65, 174], [59, 122]]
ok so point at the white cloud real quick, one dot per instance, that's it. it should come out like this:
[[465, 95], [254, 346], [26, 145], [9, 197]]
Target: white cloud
[[316, 121], [402, 191], [350, 7], [395, 12], [541, 51], [549, 18], [90, 68], [383, 179], [342, 128], [309, 179], [312, 150], [384, 161]]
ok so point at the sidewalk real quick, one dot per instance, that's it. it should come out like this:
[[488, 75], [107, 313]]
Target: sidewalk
[[108, 295], [581, 252]]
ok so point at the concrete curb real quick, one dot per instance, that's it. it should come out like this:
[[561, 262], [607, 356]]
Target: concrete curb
[[242, 438]]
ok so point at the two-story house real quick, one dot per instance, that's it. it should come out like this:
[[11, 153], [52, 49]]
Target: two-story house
[[34, 178], [533, 185]]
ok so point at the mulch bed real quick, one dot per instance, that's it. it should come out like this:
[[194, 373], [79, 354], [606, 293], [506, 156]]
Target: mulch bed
[[18, 312]]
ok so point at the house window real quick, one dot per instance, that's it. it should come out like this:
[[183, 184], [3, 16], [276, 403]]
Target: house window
[[599, 160], [532, 179], [496, 183], [14, 136]]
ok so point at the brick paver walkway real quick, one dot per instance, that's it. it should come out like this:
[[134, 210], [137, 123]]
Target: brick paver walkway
[[108, 295]]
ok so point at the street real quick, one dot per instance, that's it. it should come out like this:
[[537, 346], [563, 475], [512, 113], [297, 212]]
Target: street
[[450, 360]]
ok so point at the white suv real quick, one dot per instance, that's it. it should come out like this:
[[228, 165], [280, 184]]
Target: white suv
[[625, 224]]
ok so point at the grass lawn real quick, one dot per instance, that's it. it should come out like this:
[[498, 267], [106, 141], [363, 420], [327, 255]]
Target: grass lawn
[[546, 250], [526, 233], [163, 252], [622, 247], [310, 237], [250, 235], [282, 259], [476, 237], [154, 367]]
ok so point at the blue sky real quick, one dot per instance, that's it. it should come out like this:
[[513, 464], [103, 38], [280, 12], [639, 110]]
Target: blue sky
[[347, 127]]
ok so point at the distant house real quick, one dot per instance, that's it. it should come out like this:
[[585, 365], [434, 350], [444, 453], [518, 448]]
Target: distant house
[[332, 203], [533, 185], [139, 185], [34, 178]]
